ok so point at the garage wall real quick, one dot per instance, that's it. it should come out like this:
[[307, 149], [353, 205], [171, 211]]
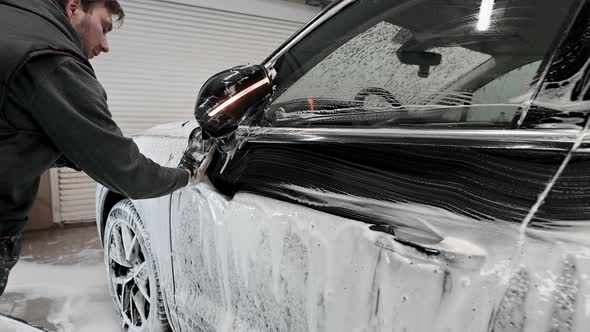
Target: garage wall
[[289, 10], [159, 60]]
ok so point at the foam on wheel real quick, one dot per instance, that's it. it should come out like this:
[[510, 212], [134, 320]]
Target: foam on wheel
[[132, 272]]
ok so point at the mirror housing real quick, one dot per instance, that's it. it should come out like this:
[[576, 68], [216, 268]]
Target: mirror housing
[[228, 97], [422, 59]]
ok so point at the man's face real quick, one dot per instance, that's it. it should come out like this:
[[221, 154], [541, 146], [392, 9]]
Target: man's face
[[93, 27]]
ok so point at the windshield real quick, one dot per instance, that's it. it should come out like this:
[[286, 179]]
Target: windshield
[[385, 63]]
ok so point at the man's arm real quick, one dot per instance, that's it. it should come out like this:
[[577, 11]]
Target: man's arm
[[69, 105]]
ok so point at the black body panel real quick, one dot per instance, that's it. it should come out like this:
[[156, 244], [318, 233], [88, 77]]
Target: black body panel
[[482, 183]]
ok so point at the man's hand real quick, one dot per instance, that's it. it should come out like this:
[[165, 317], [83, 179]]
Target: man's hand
[[197, 156]]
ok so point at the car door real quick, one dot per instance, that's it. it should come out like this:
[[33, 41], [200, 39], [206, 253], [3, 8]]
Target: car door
[[553, 269], [373, 193]]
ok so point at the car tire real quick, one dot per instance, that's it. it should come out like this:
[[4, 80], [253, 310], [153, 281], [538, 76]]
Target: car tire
[[132, 274]]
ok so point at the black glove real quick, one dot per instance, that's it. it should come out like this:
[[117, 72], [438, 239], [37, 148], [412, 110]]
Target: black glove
[[197, 156]]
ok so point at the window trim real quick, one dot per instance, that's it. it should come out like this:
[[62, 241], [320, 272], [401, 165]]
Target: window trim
[[516, 139], [329, 12]]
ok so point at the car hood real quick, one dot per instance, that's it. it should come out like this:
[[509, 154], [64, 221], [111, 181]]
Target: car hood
[[179, 129]]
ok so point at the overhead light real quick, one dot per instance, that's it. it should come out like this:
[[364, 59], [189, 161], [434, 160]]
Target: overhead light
[[485, 15]]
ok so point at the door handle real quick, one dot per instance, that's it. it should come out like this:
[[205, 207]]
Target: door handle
[[428, 246]]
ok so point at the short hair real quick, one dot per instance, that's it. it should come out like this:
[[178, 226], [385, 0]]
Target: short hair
[[112, 5]]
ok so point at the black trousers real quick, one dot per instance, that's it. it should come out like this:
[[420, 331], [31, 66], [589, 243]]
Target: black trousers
[[10, 247]]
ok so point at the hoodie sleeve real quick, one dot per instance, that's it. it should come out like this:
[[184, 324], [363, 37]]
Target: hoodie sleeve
[[69, 105]]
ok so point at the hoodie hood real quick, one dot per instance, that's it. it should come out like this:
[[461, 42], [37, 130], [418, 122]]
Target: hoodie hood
[[30, 29], [49, 11], [47, 28], [33, 28]]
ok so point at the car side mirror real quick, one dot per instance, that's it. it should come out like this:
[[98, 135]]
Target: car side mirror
[[226, 99], [422, 59]]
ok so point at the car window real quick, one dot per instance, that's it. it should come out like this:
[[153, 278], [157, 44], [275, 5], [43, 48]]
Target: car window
[[563, 100], [510, 87], [390, 63]]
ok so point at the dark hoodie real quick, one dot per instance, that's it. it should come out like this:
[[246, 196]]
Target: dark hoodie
[[53, 108]]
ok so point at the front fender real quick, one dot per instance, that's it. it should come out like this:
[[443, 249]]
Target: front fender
[[164, 145]]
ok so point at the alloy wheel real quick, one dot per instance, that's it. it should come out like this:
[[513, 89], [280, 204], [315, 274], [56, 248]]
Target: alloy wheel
[[129, 275]]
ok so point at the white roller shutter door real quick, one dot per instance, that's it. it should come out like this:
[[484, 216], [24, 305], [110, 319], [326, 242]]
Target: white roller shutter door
[[158, 61]]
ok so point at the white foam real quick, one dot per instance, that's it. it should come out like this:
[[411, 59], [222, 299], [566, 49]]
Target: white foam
[[81, 301]]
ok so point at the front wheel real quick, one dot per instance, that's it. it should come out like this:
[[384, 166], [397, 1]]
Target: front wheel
[[132, 273]]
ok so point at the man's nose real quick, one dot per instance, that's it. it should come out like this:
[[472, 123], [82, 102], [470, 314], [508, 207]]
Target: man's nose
[[104, 45]]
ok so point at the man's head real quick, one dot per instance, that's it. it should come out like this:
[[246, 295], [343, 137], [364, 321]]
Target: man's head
[[93, 19]]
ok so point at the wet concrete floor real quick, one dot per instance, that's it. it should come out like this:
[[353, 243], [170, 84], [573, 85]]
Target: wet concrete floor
[[60, 282]]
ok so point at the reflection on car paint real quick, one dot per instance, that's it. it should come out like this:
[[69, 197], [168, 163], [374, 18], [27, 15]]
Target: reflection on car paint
[[502, 183], [551, 183]]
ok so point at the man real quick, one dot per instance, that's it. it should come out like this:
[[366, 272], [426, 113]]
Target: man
[[54, 111]]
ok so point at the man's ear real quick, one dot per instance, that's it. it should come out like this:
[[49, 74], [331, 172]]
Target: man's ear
[[71, 7]]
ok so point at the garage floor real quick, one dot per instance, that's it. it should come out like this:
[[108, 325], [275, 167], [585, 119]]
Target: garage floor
[[60, 282]]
